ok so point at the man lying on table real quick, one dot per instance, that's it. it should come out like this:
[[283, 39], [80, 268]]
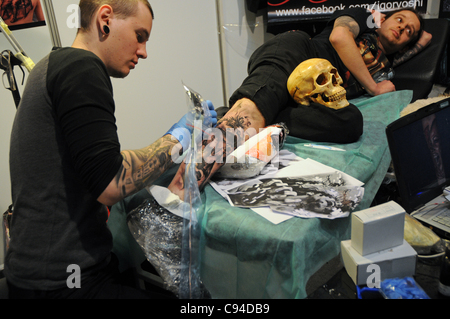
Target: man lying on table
[[263, 98]]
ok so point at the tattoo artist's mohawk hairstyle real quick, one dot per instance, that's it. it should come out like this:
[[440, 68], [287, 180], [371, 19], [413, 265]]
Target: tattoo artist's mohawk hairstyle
[[123, 8]]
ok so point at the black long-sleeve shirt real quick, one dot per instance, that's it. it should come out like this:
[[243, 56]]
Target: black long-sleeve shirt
[[64, 152]]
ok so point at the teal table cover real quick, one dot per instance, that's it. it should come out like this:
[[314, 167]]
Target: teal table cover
[[244, 256]]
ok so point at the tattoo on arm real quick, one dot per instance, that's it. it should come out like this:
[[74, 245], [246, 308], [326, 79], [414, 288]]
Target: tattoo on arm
[[407, 55], [204, 169], [238, 124], [349, 23], [142, 167]]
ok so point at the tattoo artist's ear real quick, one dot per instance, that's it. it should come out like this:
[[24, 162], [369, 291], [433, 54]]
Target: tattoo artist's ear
[[104, 14]]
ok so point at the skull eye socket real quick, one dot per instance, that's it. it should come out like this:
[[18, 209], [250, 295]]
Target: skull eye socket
[[322, 79]]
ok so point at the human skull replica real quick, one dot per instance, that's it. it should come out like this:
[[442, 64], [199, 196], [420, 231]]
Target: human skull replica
[[318, 81]]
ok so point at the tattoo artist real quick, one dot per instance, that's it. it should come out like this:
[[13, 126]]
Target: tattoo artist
[[65, 159]]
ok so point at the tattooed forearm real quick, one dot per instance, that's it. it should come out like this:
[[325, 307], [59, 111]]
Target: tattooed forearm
[[142, 167], [209, 157], [407, 55]]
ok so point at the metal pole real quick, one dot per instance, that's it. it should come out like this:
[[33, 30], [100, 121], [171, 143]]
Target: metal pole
[[51, 21]]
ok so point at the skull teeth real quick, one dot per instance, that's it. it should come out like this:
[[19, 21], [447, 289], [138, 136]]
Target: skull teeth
[[335, 97]]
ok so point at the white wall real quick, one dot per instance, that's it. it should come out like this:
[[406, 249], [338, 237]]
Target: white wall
[[184, 46], [241, 33]]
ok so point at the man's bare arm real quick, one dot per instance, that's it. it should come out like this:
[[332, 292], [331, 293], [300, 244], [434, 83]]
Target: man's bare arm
[[139, 169], [345, 30]]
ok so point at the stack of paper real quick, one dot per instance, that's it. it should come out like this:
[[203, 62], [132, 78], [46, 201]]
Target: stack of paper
[[304, 188]]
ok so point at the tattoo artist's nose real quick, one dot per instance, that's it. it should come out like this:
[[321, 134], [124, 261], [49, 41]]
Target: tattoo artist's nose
[[142, 52]]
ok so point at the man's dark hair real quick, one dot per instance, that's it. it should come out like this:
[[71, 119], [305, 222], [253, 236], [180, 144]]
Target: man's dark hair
[[414, 40]]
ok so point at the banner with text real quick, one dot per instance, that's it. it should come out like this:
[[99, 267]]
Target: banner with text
[[285, 11]]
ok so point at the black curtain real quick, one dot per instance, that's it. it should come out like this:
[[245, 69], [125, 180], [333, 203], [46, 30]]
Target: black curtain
[[255, 5]]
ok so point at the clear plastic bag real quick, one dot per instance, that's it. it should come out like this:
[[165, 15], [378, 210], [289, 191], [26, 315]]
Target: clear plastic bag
[[190, 283], [159, 234], [421, 238], [171, 242]]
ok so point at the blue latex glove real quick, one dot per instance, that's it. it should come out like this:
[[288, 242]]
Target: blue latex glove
[[212, 112], [182, 130]]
